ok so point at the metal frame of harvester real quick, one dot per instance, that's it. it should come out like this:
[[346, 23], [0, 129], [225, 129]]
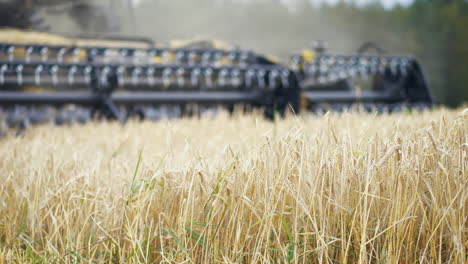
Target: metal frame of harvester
[[392, 81], [121, 82]]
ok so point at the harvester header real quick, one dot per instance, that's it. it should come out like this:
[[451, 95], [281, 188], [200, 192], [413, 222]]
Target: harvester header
[[67, 83]]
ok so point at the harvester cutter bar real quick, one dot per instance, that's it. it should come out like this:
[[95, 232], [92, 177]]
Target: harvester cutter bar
[[351, 96], [128, 98]]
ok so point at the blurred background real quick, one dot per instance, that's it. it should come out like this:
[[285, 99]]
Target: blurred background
[[436, 31]]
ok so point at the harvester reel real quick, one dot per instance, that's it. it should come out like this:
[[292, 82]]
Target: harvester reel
[[121, 83], [332, 80]]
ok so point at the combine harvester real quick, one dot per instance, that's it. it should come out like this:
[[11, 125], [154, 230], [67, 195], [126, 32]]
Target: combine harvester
[[42, 83]]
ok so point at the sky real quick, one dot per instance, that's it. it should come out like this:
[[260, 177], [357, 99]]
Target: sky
[[386, 3]]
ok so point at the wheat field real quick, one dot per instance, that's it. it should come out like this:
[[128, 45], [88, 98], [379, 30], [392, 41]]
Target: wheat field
[[338, 188]]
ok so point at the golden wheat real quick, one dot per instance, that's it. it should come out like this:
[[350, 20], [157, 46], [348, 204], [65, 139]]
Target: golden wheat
[[349, 188]]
